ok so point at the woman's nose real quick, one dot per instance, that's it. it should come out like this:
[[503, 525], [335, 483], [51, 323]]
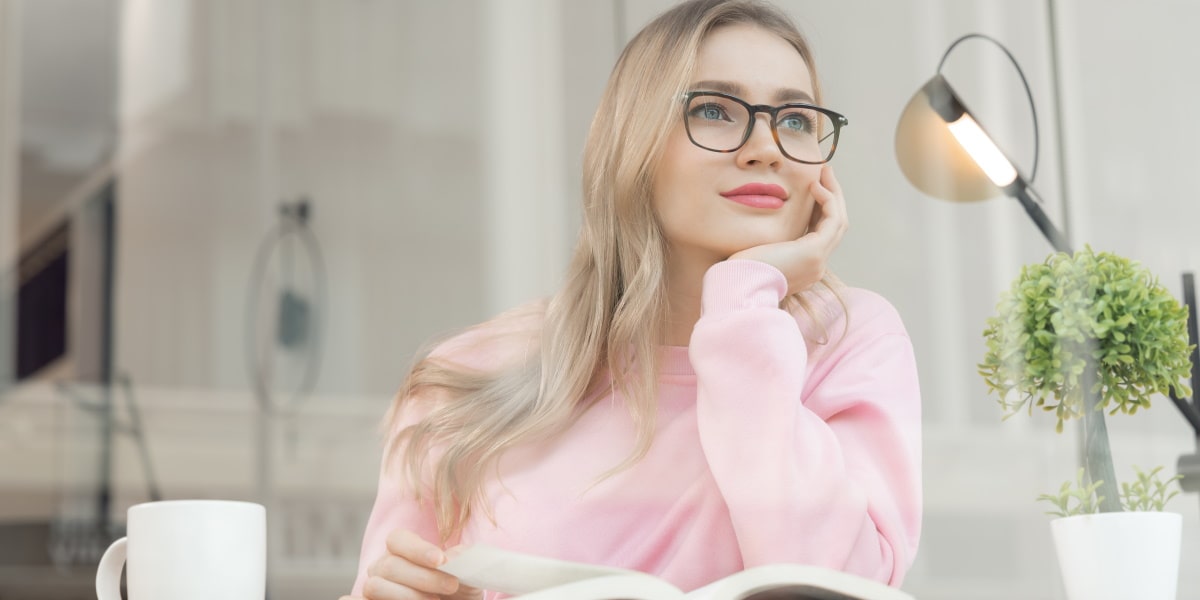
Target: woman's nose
[[761, 146]]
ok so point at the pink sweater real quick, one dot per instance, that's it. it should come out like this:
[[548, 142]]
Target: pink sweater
[[770, 447]]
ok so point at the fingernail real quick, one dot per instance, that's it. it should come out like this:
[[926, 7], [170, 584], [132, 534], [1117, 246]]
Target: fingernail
[[434, 557]]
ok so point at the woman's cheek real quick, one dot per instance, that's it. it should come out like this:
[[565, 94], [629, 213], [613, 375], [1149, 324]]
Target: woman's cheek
[[800, 222]]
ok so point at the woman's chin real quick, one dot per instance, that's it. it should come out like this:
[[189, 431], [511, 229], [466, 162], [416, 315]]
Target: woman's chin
[[755, 242]]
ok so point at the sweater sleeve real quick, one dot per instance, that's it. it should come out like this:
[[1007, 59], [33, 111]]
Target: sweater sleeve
[[503, 341], [818, 464], [396, 507]]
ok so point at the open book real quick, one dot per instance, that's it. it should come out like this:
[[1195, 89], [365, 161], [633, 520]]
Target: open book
[[537, 578]]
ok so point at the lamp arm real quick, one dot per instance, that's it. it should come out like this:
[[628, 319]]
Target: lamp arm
[[1020, 190], [1189, 464], [1190, 411], [1189, 300]]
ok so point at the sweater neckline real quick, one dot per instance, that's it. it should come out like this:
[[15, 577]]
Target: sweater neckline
[[673, 360]]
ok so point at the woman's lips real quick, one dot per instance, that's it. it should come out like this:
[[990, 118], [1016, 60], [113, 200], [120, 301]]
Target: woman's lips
[[758, 195], [757, 201]]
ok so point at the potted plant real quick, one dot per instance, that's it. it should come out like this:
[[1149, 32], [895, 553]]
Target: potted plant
[[1080, 336]]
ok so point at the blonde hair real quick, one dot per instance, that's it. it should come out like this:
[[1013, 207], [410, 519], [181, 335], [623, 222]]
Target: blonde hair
[[609, 315]]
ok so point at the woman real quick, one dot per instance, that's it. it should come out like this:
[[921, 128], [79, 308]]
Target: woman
[[700, 397]]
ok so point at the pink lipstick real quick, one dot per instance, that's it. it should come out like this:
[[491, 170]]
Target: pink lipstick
[[758, 195]]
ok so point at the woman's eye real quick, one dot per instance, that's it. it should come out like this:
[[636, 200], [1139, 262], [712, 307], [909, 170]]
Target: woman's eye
[[711, 112], [796, 122]]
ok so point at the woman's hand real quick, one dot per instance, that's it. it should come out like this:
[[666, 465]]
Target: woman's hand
[[409, 572], [804, 261]]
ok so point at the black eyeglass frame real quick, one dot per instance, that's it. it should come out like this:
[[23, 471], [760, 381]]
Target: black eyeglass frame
[[839, 121]]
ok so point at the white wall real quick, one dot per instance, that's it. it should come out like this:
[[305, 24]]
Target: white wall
[[397, 144], [344, 103], [1132, 130]]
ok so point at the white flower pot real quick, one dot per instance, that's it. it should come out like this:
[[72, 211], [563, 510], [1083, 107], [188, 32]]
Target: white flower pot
[[1119, 556]]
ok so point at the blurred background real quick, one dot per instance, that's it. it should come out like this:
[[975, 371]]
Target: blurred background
[[226, 226]]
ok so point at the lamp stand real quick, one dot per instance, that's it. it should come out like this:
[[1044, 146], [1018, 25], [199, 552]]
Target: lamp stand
[[1096, 453], [1021, 191]]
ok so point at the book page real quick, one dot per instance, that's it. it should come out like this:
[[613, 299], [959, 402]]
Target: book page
[[796, 582], [526, 575], [610, 587], [514, 573]]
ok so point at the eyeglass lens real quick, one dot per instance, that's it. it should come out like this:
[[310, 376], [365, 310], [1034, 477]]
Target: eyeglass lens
[[721, 124]]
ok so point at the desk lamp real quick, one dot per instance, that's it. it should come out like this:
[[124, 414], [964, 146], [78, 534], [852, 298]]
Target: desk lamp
[[944, 152]]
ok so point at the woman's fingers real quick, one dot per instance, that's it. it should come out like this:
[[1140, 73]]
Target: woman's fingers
[[829, 180], [424, 579], [409, 570], [830, 210], [381, 588], [835, 201], [406, 544]]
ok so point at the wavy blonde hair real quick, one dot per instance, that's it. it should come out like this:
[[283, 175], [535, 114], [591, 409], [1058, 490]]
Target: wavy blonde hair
[[609, 315]]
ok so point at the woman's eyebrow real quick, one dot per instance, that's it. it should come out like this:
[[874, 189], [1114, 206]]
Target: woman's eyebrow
[[792, 95], [725, 87], [733, 89]]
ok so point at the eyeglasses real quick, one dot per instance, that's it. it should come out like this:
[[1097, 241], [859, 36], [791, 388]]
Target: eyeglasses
[[722, 123]]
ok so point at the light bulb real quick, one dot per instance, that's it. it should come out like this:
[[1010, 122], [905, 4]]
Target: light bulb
[[983, 150]]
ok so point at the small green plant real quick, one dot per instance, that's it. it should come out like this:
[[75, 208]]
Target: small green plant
[[1084, 495], [1090, 310], [1149, 492], [1081, 335]]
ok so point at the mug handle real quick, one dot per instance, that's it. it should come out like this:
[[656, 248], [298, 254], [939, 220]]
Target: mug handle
[[108, 574]]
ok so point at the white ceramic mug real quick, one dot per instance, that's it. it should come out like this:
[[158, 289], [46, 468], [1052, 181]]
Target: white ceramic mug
[[189, 550]]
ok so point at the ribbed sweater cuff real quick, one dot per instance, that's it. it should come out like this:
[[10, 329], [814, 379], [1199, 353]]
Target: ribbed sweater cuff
[[739, 284]]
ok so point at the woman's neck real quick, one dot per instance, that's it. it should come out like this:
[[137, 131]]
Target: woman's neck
[[685, 281]]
